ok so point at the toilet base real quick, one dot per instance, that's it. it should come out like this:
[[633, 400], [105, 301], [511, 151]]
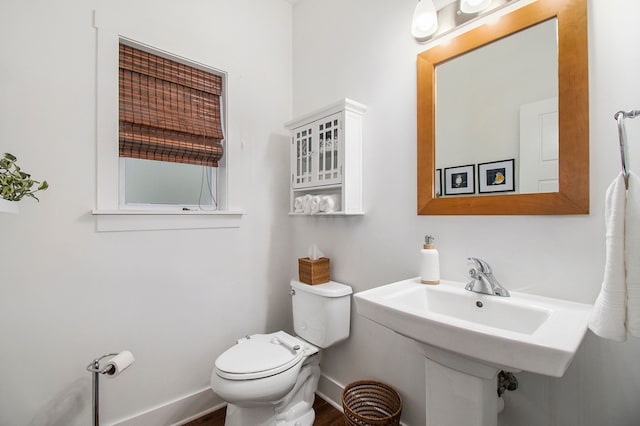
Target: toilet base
[[266, 416], [295, 409]]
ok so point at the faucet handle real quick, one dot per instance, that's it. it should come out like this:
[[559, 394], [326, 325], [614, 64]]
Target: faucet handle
[[481, 265], [473, 273]]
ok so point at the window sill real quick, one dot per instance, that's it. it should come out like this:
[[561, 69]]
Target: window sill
[[149, 220]]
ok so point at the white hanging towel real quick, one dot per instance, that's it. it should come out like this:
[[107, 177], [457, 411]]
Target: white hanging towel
[[609, 311], [632, 254]]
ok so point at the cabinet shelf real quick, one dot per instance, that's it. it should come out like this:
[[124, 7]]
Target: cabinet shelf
[[321, 186], [328, 214], [326, 158]]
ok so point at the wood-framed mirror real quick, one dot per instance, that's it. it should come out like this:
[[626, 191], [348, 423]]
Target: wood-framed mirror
[[572, 195]]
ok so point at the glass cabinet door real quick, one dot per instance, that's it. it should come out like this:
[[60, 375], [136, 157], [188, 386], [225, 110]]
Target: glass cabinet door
[[303, 140], [329, 159]]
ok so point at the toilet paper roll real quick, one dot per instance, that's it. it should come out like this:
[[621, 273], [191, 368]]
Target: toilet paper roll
[[119, 363]]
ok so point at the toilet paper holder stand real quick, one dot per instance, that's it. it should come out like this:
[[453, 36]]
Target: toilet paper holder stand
[[94, 367]]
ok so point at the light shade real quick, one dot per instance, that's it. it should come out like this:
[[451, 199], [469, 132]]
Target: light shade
[[473, 6], [425, 20]]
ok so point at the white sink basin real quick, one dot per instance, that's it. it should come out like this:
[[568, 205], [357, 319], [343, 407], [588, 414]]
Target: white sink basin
[[521, 332]]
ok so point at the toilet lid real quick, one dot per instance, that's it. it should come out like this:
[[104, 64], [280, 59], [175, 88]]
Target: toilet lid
[[260, 355]]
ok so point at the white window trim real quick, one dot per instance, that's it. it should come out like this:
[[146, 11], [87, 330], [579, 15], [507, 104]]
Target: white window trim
[[148, 220], [110, 216]]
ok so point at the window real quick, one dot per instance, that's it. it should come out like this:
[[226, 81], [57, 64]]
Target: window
[[170, 132], [143, 187]]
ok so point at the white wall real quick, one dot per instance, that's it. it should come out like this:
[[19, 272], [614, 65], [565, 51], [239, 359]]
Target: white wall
[[363, 49], [176, 299]]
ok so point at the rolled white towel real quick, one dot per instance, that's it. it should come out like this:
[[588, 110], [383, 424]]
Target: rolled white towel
[[298, 204], [306, 204], [328, 203], [315, 204], [607, 318], [632, 254]]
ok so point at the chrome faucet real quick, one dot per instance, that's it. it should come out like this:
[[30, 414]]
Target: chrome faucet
[[483, 281]]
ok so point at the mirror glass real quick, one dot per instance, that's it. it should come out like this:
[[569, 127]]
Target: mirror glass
[[503, 116], [511, 139]]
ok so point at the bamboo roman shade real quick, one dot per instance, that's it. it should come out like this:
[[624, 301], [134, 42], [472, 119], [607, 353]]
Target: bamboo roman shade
[[168, 111]]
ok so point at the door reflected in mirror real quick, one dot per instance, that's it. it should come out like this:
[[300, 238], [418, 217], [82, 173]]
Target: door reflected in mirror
[[497, 108]]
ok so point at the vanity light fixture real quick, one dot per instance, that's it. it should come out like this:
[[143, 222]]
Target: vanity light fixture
[[438, 21], [474, 6], [425, 20]]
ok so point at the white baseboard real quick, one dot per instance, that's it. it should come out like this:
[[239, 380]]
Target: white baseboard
[[176, 412], [197, 404], [330, 390]]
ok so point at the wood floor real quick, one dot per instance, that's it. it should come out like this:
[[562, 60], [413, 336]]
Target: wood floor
[[326, 415]]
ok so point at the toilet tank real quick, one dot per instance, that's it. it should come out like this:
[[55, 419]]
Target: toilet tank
[[321, 312]]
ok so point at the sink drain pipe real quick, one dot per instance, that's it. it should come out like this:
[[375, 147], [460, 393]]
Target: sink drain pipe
[[506, 382]]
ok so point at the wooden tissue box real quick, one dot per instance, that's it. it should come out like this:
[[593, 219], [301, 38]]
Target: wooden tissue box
[[314, 271]]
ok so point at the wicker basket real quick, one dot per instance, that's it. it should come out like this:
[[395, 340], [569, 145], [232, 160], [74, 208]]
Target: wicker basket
[[371, 403]]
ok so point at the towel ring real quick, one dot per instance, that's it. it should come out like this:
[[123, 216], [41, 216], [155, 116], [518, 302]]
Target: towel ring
[[622, 136]]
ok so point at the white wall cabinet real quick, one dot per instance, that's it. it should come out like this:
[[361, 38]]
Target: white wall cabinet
[[326, 158]]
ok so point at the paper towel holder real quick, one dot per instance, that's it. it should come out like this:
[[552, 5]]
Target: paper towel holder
[[94, 367]]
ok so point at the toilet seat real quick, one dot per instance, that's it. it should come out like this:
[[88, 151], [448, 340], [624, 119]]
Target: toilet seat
[[260, 355]]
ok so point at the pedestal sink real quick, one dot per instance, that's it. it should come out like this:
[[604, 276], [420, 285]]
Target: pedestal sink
[[467, 338]]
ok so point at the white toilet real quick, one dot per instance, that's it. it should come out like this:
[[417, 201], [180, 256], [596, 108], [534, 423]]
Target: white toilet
[[271, 379]]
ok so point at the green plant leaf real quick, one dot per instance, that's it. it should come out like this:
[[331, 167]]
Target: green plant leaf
[[16, 184]]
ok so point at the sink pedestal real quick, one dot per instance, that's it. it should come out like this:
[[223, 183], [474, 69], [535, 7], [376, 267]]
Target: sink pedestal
[[460, 390]]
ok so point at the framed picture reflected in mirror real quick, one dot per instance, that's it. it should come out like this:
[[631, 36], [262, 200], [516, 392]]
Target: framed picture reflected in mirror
[[496, 176], [460, 180]]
